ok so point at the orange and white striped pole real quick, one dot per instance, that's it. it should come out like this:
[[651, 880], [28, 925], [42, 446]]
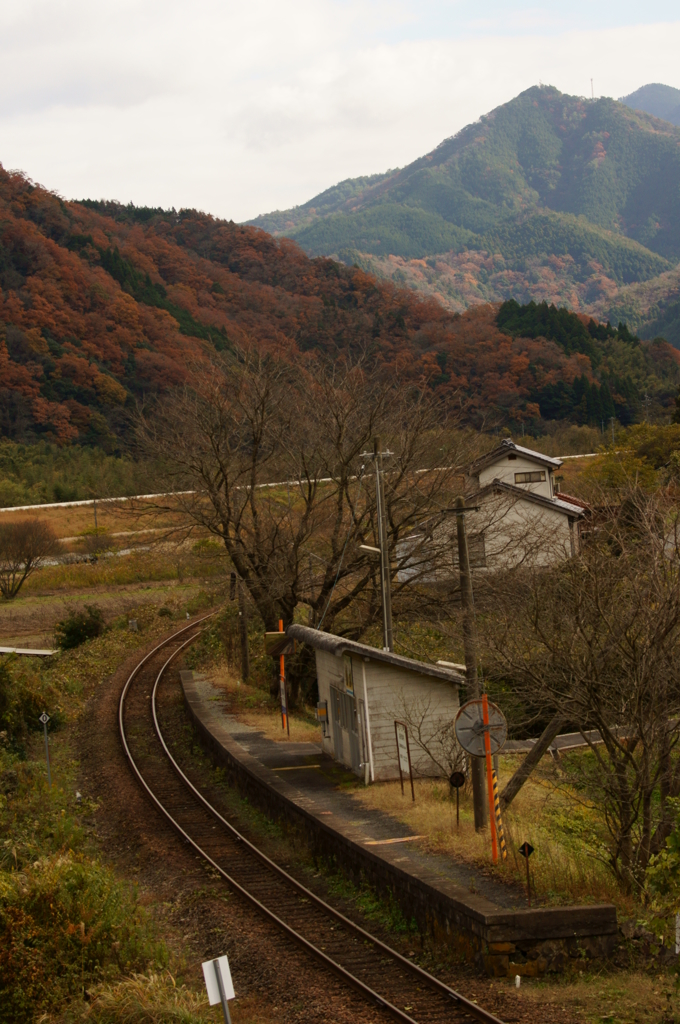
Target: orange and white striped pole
[[489, 776]]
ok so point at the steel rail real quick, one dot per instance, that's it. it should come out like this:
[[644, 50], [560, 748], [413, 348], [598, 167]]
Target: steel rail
[[461, 1002]]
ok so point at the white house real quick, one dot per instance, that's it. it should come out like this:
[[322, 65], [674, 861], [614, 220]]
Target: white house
[[517, 517], [365, 690]]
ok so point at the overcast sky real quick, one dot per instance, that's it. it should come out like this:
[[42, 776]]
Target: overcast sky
[[242, 108]]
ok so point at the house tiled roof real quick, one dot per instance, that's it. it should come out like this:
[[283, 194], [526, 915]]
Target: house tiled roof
[[559, 502], [506, 448]]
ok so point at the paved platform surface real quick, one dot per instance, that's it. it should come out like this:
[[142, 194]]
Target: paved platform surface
[[316, 776]]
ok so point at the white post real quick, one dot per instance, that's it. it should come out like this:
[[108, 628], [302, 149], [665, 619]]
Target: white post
[[368, 722]]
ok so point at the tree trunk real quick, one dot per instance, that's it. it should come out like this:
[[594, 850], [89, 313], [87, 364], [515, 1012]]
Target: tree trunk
[[243, 631], [531, 760]]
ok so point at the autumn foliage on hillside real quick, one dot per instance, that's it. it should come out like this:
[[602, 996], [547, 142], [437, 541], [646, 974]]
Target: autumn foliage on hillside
[[102, 305]]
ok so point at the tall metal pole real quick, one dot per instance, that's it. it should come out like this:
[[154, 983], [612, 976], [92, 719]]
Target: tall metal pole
[[381, 512], [470, 646], [223, 997]]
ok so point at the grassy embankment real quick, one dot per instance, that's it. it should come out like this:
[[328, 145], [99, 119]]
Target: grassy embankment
[[68, 923]]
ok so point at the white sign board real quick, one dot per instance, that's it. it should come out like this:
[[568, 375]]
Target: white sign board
[[211, 979], [402, 747]]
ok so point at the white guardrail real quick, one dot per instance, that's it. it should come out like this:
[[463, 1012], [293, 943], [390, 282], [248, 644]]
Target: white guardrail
[[173, 494]]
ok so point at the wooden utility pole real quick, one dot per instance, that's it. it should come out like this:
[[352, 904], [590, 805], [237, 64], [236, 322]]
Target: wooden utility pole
[[243, 631], [470, 645], [381, 513]]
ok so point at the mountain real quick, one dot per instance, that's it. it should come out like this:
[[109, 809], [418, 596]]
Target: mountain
[[659, 100], [103, 306], [548, 197]]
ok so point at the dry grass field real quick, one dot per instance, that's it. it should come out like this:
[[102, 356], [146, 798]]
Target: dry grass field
[[140, 556]]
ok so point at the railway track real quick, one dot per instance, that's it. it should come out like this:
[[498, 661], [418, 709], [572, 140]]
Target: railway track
[[384, 977]]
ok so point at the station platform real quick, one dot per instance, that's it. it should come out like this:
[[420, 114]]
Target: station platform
[[316, 777], [454, 902]]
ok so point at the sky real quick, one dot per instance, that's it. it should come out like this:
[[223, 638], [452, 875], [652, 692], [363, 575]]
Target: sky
[[243, 108]]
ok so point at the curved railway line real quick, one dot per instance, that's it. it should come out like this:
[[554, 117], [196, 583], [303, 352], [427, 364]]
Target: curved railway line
[[384, 977]]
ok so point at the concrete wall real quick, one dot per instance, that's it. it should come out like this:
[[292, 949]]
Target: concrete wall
[[384, 693], [517, 531]]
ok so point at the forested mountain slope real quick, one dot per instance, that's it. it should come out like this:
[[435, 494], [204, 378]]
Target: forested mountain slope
[[547, 197], [103, 305], [659, 100]]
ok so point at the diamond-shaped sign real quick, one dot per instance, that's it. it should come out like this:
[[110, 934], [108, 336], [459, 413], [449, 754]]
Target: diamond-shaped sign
[[44, 718]]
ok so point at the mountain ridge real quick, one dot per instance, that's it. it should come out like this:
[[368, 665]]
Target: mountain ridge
[[599, 178]]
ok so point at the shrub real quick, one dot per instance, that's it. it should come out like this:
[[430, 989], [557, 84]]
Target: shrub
[[147, 999], [65, 922], [79, 627], [23, 697]]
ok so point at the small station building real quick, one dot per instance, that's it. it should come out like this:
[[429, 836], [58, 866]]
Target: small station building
[[365, 690]]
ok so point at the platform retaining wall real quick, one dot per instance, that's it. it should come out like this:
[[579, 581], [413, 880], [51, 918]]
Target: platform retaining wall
[[501, 942]]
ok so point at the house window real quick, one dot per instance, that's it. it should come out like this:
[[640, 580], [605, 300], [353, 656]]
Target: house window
[[530, 478], [477, 551]]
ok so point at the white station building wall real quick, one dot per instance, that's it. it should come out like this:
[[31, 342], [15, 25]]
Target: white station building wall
[[364, 698]]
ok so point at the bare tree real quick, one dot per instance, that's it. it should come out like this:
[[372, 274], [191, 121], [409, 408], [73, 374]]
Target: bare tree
[[272, 451], [434, 747], [24, 546], [595, 642]]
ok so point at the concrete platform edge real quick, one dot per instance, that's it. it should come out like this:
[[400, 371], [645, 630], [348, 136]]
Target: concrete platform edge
[[448, 912]]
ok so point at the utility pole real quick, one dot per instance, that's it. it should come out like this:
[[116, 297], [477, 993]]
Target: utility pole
[[470, 645], [311, 592], [243, 631], [612, 419], [592, 90], [381, 514]]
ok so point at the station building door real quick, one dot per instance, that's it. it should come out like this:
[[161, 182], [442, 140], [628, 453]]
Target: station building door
[[345, 729]]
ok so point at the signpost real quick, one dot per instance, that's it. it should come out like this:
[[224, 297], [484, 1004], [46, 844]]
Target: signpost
[[526, 849], [277, 645], [44, 718], [404, 756], [218, 983], [285, 720], [481, 730], [456, 780]]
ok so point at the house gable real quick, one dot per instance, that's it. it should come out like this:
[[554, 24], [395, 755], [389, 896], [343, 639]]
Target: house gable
[[516, 466]]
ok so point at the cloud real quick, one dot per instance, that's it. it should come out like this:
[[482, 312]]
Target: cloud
[[240, 109]]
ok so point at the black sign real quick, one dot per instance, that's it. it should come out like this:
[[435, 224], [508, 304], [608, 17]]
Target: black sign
[[526, 849], [456, 780]]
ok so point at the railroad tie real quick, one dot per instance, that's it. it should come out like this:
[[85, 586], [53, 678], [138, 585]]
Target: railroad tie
[[499, 820]]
